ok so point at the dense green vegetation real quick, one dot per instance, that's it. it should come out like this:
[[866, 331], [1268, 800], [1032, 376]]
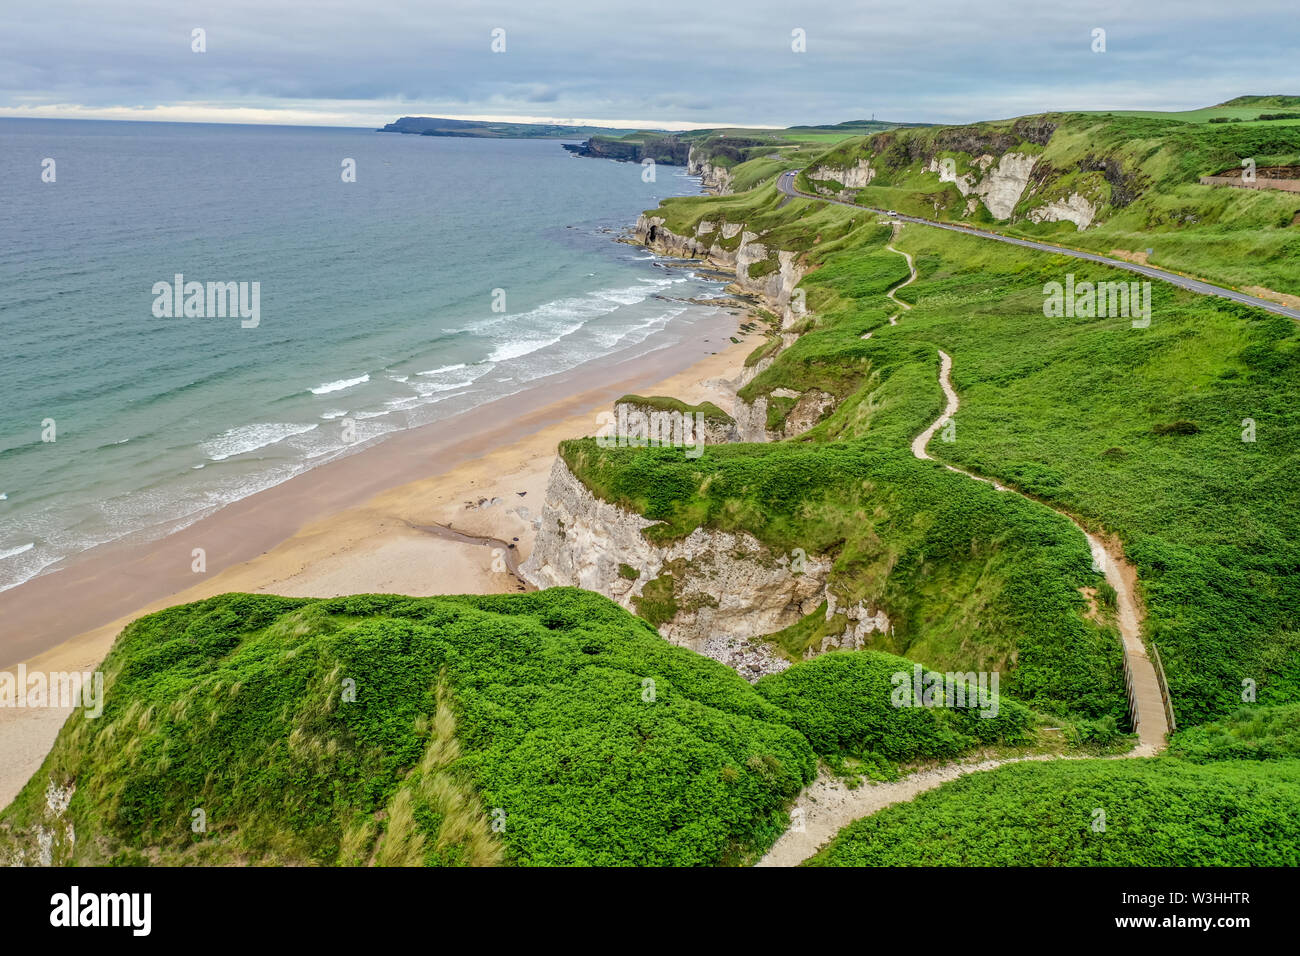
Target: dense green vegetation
[[545, 729], [847, 705], [663, 403], [970, 579], [1139, 170], [1074, 411], [1153, 435], [534, 704], [1139, 432], [1232, 798], [1157, 812], [1252, 733]]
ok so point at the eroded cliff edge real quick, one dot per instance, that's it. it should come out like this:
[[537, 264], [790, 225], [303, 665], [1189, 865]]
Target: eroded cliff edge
[[718, 592]]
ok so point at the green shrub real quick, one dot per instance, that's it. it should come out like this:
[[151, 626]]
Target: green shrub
[[1157, 813], [537, 707], [846, 704], [1103, 730], [1252, 733]]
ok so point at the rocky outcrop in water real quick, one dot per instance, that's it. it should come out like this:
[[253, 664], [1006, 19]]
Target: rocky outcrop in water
[[668, 150]]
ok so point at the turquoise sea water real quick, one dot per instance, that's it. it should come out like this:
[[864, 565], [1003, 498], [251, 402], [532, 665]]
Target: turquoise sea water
[[375, 306]]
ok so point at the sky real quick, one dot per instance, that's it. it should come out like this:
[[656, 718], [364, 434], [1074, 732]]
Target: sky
[[667, 65]]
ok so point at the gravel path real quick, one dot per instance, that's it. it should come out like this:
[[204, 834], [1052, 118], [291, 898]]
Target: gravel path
[[827, 805]]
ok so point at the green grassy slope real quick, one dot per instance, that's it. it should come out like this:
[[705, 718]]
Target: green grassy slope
[[1140, 171], [1159, 812], [1079, 412], [545, 729], [970, 578], [851, 705], [536, 705], [1138, 432], [1228, 795], [1251, 733]]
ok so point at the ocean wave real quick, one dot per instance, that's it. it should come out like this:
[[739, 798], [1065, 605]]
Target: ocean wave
[[439, 371], [527, 344], [469, 375], [552, 322], [620, 338], [246, 438], [16, 551], [339, 385]]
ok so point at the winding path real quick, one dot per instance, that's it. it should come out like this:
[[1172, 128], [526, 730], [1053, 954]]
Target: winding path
[[903, 306], [911, 267], [785, 183], [827, 805]]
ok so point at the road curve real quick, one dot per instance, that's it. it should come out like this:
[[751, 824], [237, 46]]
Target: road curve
[[785, 183]]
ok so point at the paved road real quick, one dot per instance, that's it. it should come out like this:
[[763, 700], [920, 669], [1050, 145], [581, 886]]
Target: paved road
[[785, 183]]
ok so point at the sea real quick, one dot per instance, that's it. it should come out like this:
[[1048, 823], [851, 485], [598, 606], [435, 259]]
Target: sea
[[386, 280]]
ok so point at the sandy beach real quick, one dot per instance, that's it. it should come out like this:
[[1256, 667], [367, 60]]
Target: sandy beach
[[365, 523]]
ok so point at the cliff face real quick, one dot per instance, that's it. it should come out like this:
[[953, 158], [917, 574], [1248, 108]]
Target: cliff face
[[774, 284], [712, 591], [717, 592], [850, 177], [714, 178], [1076, 209], [646, 422], [711, 242], [1000, 186], [668, 150], [1017, 171]]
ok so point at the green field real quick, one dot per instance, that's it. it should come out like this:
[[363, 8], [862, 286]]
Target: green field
[[1139, 170]]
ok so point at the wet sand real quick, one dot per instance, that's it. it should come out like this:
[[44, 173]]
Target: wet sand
[[359, 524]]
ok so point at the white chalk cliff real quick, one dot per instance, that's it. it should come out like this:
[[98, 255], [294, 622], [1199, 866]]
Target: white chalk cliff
[[998, 187], [728, 587]]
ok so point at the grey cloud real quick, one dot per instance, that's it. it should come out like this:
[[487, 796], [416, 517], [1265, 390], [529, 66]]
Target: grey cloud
[[943, 60]]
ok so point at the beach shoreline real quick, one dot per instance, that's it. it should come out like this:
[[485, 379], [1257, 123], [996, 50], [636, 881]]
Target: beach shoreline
[[358, 524]]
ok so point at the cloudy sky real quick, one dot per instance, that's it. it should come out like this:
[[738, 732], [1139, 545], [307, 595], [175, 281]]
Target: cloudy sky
[[632, 62]]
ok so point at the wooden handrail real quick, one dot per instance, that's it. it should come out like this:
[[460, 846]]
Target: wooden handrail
[[1130, 694], [1164, 688]]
